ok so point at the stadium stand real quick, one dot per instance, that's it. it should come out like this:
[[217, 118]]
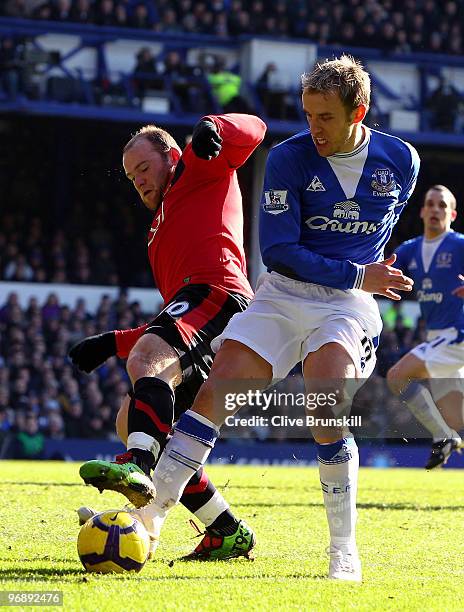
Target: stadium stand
[[391, 25], [379, 29], [40, 390]]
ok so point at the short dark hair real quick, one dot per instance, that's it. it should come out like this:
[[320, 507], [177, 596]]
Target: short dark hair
[[446, 190], [160, 140], [345, 76]]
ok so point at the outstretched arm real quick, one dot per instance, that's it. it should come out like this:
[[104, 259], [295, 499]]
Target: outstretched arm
[[92, 352]]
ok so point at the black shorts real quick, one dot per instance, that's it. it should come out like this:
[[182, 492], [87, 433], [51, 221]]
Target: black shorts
[[189, 322]]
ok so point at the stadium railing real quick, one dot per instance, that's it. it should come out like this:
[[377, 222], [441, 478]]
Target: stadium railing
[[81, 56]]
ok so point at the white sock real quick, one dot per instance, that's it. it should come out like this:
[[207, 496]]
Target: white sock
[[421, 404], [138, 439], [338, 471], [187, 450], [153, 517], [208, 513]]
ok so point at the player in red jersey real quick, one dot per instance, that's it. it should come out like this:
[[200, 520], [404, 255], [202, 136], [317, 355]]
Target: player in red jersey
[[195, 247]]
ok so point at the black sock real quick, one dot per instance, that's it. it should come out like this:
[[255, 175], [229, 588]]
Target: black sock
[[226, 524], [151, 411], [198, 491], [144, 459]]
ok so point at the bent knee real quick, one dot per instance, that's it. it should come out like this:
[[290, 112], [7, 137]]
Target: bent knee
[[397, 381], [141, 355], [137, 363], [154, 357], [392, 374], [392, 377]]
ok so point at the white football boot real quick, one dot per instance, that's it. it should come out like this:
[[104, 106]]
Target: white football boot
[[344, 563]]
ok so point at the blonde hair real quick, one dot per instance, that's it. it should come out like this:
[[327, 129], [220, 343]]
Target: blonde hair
[[345, 76], [160, 140]]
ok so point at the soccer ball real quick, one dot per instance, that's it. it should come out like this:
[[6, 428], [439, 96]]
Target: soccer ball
[[113, 541]]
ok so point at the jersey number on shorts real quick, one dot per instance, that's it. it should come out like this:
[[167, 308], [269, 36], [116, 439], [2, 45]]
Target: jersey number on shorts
[[368, 350]]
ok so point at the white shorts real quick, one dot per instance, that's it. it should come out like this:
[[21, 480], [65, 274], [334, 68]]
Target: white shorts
[[444, 359], [288, 319]]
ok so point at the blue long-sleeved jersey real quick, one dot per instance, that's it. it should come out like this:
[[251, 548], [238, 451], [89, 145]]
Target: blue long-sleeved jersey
[[321, 218], [439, 307]]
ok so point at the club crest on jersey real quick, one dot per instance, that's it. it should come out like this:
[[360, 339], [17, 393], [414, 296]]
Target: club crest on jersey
[[383, 182], [444, 260], [275, 202]]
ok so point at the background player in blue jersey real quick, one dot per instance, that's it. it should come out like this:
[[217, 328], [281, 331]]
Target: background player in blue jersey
[[332, 195], [435, 261]]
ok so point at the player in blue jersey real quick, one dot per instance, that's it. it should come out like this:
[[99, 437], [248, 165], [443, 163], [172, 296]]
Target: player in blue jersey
[[332, 195], [435, 261]]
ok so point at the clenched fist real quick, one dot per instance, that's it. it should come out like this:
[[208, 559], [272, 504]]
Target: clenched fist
[[206, 142], [91, 352]]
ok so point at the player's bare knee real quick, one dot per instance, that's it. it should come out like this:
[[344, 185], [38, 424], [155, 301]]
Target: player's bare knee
[[326, 435], [330, 362], [225, 369], [395, 381], [138, 364], [153, 357], [239, 362]]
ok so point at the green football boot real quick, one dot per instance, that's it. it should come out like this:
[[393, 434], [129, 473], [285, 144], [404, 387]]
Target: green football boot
[[214, 547], [122, 476]]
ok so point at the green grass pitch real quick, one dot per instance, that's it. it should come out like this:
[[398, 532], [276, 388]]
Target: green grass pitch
[[410, 532]]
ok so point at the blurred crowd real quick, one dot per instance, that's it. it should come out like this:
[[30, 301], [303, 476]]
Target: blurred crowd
[[208, 86], [73, 217], [392, 25], [48, 255], [171, 80], [43, 395]]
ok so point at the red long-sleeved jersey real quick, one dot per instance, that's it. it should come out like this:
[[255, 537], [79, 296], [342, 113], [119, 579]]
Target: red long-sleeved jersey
[[197, 233]]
